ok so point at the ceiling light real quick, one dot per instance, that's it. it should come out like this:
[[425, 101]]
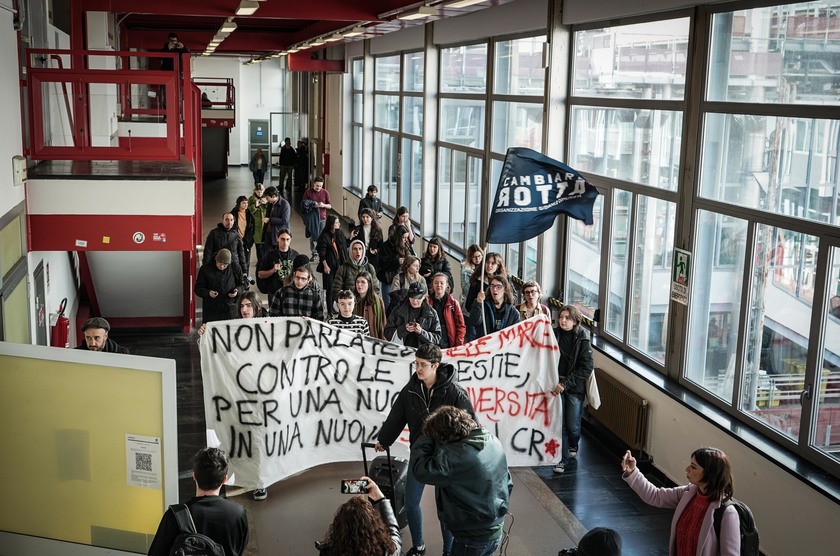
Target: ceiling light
[[293, 50], [420, 13], [247, 7], [220, 36], [228, 27], [354, 32], [463, 3], [318, 42], [333, 38]]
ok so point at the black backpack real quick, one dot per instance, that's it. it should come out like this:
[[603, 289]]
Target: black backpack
[[749, 532], [189, 542]]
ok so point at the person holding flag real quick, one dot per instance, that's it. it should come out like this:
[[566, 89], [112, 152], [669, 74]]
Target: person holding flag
[[493, 314]]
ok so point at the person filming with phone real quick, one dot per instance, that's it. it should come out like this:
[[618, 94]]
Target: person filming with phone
[[709, 484], [365, 525]]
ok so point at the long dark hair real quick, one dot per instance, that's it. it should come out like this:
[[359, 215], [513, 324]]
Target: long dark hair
[[717, 473], [259, 310], [501, 271], [358, 530], [374, 225], [329, 226], [400, 248]]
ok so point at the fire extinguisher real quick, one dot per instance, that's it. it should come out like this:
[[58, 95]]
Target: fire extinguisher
[[60, 331]]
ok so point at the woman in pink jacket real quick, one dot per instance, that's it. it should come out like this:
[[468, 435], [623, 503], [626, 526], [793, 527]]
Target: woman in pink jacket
[[710, 483]]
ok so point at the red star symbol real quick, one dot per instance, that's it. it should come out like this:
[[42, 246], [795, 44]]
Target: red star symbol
[[551, 448]]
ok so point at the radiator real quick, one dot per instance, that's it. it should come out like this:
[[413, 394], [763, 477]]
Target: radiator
[[622, 411]]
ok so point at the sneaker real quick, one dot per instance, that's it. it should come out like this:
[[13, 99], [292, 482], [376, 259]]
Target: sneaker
[[573, 452], [560, 467], [260, 494], [416, 551]]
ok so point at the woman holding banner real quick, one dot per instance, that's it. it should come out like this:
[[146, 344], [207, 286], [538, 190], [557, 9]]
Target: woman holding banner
[[575, 366], [494, 265], [493, 314]]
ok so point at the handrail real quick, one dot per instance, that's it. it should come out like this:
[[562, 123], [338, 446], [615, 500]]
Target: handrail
[[174, 106]]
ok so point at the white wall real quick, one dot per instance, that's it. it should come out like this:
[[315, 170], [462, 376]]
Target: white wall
[[59, 284], [10, 140], [259, 91], [790, 515]]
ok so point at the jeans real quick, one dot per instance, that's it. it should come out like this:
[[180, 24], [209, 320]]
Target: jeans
[[572, 408], [386, 295], [413, 495], [466, 547]]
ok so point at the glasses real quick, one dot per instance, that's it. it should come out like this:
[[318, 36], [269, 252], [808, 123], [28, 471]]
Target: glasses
[[496, 286], [344, 292], [531, 292]]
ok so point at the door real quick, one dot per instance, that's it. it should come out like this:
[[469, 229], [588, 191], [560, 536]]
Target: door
[[259, 138], [40, 305]]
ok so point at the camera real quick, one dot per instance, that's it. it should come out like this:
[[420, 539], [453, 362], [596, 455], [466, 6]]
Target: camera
[[354, 486], [250, 280]]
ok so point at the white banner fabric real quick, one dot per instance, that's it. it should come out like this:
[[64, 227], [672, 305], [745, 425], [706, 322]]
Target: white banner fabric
[[287, 394]]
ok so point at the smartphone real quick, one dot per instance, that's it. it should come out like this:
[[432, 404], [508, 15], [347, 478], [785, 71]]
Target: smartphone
[[354, 486]]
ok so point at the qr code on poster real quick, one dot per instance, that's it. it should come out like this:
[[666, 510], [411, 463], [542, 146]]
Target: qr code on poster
[[142, 462]]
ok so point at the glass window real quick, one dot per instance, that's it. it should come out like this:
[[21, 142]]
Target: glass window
[[413, 115], [783, 165], [358, 158], [444, 193], [358, 108], [828, 397], [386, 112], [583, 264], [517, 124], [617, 279], [411, 176], [358, 65], [462, 122], [716, 294], [776, 54], [385, 168], [776, 342], [650, 289], [387, 73], [414, 64], [643, 61], [463, 69], [519, 68], [641, 146]]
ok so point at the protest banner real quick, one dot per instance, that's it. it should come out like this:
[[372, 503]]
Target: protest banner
[[286, 394]]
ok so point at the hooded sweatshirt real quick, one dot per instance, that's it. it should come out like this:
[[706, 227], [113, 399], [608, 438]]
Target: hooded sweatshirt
[[345, 276]]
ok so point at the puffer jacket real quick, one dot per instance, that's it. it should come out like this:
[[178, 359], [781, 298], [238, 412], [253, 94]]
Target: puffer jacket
[[425, 316], [575, 367]]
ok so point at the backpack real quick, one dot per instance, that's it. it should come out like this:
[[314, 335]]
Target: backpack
[[189, 542], [749, 532]]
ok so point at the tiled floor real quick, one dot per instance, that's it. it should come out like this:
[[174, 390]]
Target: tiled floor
[[591, 489]]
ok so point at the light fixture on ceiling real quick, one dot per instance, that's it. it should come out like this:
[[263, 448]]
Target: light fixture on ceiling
[[422, 12], [333, 38], [220, 37], [354, 32], [463, 3], [293, 50], [228, 27], [247, 7], [318, 42]]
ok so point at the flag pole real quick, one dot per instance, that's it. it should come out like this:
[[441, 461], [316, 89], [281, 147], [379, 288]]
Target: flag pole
[[483, 267]]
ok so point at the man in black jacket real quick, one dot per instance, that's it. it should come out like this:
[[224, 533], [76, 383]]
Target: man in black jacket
[[96, 332], [216, 286], [222, 520], [432, 385], [225, 236]]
